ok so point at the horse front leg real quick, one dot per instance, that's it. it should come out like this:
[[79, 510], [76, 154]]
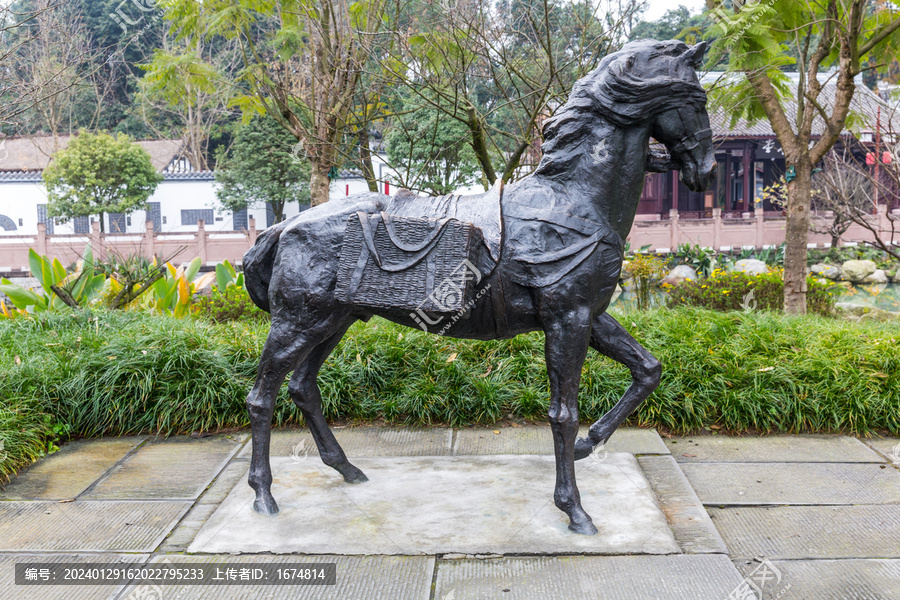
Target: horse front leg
[[612, 340], [566, 343]]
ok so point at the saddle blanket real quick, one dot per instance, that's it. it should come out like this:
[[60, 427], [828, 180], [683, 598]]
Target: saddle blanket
[[408, 263]]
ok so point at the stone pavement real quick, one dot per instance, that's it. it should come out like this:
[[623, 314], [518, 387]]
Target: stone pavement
[[790, 517]]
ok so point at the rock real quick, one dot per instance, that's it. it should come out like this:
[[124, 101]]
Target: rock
[[879, 276], [857, 270], [680, 274], [879, 315], [751, 266], [833, 272], [859, 312], [827, 271], [854, 310]]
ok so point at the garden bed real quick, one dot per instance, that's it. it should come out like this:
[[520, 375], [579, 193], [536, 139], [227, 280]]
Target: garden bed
[[110, 373]]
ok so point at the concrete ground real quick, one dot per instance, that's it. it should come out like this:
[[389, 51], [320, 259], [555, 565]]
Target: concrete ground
[[789, 517]]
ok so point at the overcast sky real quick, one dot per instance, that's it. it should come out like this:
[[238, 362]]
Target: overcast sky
[[659, 7]]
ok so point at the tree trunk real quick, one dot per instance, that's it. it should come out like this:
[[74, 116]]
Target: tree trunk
[[796, 238], [365, 160], [479, 145], [319, 184]]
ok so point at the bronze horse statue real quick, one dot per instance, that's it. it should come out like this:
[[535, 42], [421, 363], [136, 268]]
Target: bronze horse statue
[[551, 251]]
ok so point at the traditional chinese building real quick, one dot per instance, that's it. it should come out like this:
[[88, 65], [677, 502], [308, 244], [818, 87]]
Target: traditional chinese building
[[751, 159]]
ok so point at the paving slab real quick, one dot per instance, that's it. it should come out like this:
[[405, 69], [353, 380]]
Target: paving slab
[[232, 475], [775, 448], [805, 532], [364, 441], [436, 505], [167, 468], [187, 529], [538, 439], [889, 447], [689, 521], [849, 579], [710, 577], [87, 526], [793, 483], [10, 591], [65, 474], [358, 577]]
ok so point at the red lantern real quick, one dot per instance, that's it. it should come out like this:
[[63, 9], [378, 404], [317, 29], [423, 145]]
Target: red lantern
[[887, 158], [870, 158]]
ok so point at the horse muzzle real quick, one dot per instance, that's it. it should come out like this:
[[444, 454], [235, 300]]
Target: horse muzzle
[[698, 180]]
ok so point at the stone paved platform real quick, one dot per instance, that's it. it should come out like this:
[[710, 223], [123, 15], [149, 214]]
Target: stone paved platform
[[821, 511], [440, 505]]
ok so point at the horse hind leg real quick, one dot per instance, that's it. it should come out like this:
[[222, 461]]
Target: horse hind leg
[[288, 344], [609, 338], [304, 391]]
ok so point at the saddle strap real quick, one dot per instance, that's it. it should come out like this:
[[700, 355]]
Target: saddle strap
[[392, 234], [368, 229]]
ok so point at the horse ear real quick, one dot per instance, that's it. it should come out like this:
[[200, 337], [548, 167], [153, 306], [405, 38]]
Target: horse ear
[[694, 56]]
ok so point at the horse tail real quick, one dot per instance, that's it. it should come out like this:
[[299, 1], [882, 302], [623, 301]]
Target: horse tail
[[258, 262]]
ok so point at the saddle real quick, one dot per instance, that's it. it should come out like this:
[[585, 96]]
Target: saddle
[[397, 259]]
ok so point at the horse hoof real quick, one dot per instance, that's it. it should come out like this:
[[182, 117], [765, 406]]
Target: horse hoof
[[583, 528], [583, 448], [354, 475], [266, 506]]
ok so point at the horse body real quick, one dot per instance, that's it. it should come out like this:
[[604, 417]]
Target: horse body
[[555, 269]]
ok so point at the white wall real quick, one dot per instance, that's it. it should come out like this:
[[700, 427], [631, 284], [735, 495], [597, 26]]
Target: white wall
[[19, 200]]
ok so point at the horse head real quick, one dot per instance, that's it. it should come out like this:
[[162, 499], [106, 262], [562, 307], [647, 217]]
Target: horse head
[[647, 85], [685, 131]]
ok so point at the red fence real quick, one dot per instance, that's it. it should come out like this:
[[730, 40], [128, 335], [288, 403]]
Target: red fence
[[211, 247]]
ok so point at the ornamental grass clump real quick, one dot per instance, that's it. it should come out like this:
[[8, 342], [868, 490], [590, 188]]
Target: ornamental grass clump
[[124, 372], [736, 290]]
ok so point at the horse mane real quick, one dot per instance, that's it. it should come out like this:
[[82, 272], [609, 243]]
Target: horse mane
[[643, 79]]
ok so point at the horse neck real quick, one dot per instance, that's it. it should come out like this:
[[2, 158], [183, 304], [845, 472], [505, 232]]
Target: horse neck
[[606, 182]]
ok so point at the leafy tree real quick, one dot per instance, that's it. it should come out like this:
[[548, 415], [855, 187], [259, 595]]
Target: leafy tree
[[302, 59], [263, 167], [44, 66], [97, 174], [431, 152], [191, 88], [675, 24], [500, 71], [826, 34]]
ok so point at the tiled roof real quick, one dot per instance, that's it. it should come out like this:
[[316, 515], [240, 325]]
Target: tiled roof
[[35, 176], [865, 103], [33, 153]]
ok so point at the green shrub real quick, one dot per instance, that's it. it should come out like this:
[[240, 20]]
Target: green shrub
[[736, 290], [115, 372], [646, 270], [842, 254], [232, 303]]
